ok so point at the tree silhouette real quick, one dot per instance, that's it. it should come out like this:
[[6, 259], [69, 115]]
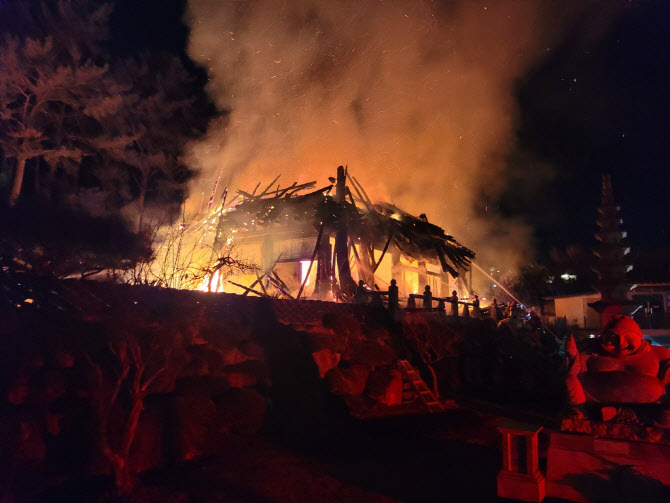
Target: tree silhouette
[[157, 115], [117, 389], [53, 97], [95, 134]]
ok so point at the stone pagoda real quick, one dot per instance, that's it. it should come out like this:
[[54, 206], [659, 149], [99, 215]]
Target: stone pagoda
[[611, 265]]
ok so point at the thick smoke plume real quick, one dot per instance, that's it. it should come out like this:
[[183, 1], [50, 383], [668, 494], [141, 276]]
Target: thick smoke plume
[[415, 97]]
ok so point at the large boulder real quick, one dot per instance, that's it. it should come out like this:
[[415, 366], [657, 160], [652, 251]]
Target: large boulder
[[240, 411], [193, 420], [348, 381], [327, 339], [233, 356], [347, 332], [238, 325], [247, 374], [203, 360], [385, 386], [252, 350], [374, 353], [326, 359]]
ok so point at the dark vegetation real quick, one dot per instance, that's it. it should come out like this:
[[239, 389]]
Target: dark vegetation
[[61, 241], [87, 138], [563, 272]]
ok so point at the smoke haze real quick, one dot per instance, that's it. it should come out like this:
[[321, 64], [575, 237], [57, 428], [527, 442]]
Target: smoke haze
[[415, 97]]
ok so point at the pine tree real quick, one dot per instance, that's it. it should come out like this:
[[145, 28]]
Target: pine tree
[[159, 120], [53, 97], [91, 130]]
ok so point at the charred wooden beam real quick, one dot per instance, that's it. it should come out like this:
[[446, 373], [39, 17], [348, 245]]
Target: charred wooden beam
[[367, 256], [230, 202], [280, 281], [359, 262], [341, 249], [358, 193], [268, 187], [244, 194], [386, 246], [309, 269], [362, 190], [323, 272], [258, 280], [280, 286], [247, 289], [445, 266], [299, 188]]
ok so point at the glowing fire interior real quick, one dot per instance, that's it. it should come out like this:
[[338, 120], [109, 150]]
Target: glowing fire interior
[[291, 255]]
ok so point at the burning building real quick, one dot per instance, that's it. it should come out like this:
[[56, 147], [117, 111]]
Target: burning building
[[314, 243]]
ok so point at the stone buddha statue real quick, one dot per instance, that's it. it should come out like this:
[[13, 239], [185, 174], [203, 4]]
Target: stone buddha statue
[[623, 369]]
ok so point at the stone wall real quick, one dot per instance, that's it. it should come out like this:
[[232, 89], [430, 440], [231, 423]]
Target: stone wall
[[77, 356]]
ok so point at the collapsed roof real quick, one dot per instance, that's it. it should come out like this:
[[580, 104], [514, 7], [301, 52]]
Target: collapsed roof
[[376, 225]]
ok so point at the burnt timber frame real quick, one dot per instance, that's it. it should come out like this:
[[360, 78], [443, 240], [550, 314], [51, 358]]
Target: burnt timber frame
[[349, 219]]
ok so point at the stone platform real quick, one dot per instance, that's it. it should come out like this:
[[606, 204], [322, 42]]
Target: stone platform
[[593, 461]]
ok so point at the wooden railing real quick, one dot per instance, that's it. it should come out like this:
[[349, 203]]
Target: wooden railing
[[468, 307]]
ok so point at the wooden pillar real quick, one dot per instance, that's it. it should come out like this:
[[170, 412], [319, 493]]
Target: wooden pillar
[[323, 271], [423, 276], [367, 262], [347, 284], [520, 477]]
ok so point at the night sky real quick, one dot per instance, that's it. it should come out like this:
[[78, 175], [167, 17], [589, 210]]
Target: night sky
[[594, 104], [602, 108]]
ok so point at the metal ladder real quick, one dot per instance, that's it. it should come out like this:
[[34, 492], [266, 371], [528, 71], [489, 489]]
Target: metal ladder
[[414, 385]]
